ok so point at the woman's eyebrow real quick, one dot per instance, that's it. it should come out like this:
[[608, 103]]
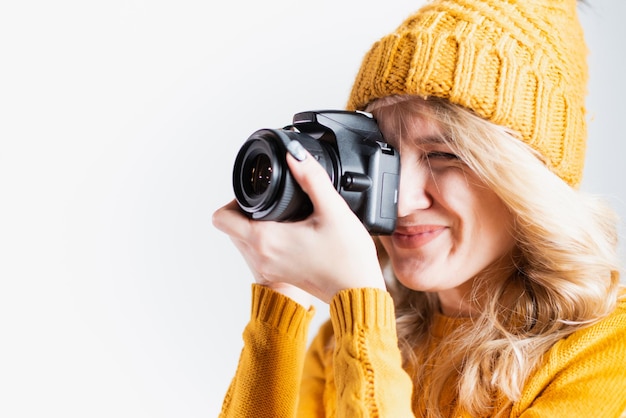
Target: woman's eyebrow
[[430, 140]]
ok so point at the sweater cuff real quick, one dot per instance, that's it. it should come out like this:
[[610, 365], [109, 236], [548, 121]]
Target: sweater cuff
[[279, 312], [363, 308]]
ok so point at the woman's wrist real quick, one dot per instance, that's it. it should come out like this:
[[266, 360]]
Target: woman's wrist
[[292, 292]]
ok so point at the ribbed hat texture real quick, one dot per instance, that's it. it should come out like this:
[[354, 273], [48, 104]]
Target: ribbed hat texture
[[521, 64]]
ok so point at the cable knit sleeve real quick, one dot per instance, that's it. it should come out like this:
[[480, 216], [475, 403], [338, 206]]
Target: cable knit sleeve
[[368, 373], [268, 376]]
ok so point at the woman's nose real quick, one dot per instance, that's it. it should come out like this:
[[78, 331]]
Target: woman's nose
[[413, 194]]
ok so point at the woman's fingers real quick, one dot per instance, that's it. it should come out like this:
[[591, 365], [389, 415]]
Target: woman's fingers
[[313, 179], [230, 220]]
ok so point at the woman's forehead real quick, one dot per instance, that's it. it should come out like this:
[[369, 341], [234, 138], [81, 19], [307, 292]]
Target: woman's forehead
[[411, 128]]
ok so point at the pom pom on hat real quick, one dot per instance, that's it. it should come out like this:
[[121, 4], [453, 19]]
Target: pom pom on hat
[[518, 63]]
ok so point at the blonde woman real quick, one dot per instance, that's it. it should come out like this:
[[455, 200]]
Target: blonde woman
[[498, 292]]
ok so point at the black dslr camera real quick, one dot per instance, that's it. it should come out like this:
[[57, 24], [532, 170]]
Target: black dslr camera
[[362, 167]]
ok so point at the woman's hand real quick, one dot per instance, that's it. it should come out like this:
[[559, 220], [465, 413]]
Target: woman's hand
[[323, 254]]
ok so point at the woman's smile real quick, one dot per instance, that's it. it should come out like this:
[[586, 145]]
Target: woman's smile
[[413, 237]]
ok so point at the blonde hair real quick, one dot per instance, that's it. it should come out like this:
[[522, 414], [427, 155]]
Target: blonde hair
[[566, 276]]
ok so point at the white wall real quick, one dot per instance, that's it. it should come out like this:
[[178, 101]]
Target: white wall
[[119, 123]]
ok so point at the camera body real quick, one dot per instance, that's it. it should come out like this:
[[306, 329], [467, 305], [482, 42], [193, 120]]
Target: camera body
[[363, 168]]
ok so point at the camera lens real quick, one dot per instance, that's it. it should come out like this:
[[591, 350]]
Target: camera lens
[[263, 185], [259, 172]]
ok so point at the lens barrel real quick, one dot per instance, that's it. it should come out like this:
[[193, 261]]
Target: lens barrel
[[263, 185]]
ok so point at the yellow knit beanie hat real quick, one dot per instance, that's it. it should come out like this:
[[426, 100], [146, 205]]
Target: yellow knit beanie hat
[[518, 63]]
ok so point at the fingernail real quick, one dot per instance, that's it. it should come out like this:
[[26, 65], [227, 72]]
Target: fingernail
[[296, 149]]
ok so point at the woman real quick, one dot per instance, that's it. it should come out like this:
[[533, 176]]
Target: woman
[[498, 293]]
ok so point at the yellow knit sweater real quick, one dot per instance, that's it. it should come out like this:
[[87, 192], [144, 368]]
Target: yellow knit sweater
[[361, 375]]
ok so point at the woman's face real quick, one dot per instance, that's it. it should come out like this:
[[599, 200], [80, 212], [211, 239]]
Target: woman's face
[[451, 227]]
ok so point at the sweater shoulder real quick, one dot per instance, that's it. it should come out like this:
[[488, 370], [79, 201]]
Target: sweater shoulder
[[609, 332], [585, 370]]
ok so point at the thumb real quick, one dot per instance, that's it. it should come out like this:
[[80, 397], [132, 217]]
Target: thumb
[[312, 177]]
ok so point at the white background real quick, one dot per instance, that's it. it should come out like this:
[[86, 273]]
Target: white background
[[119, 123]]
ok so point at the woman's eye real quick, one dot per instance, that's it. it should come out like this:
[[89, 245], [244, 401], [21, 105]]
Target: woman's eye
[[438, 155]]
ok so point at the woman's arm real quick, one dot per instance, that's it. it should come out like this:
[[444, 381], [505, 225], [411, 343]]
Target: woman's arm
[[354, 368], [328, 252], [368, 366], [268, 376]]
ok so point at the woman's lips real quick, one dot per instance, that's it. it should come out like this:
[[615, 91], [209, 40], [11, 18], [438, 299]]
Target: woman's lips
[[412, 237]]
